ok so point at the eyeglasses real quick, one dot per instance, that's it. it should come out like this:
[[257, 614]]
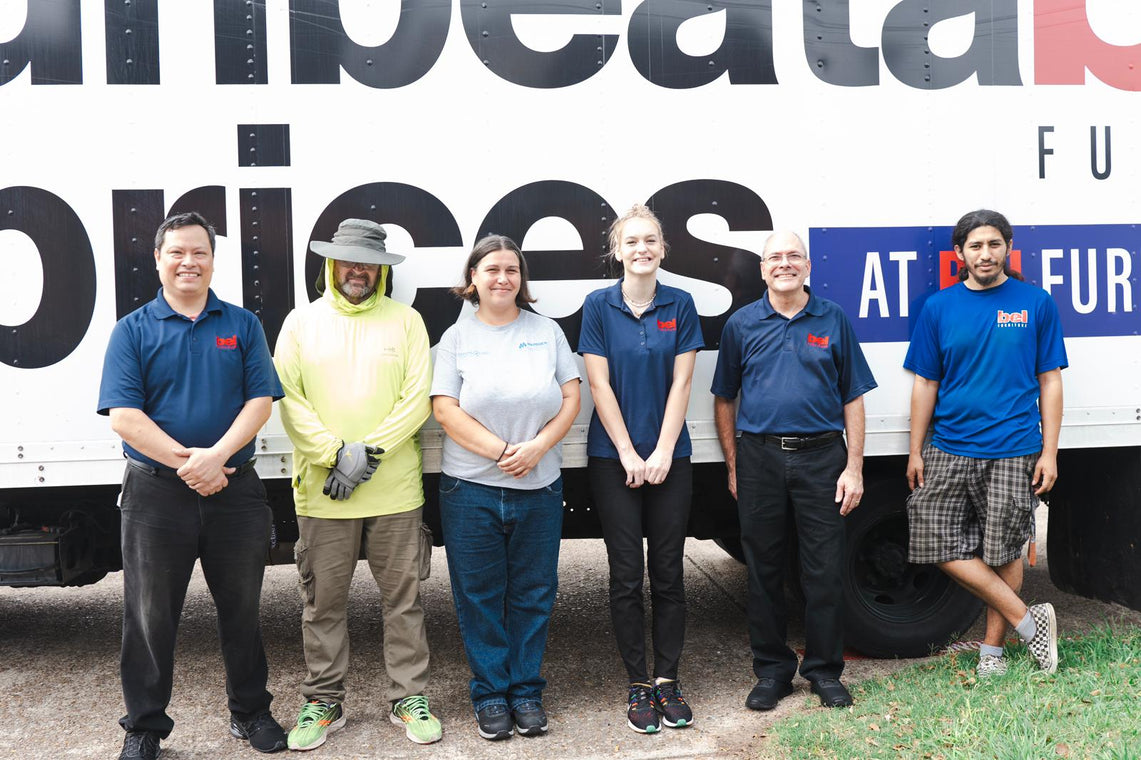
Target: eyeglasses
[[794, 258], [359, 265]]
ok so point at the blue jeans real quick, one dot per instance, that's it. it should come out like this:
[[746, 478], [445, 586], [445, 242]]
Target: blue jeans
[[503, 559], [165, 528]]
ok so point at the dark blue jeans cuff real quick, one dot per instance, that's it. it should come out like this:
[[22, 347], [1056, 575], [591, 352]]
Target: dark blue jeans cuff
[[514, 701], [488, 701]]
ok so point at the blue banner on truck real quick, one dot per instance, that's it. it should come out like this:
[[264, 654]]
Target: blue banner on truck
[[882, 275]]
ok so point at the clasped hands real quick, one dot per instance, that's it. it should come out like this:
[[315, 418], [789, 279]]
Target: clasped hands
[[204, 470]]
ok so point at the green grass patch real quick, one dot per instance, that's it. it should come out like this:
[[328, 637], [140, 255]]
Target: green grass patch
[[939, 710]]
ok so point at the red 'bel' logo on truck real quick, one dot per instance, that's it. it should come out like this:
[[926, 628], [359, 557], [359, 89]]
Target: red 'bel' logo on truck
[[228, 344]]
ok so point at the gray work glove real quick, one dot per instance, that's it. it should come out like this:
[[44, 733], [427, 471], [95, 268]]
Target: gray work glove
[[356, 463]]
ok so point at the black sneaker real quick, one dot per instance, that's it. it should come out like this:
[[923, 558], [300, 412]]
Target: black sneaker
[[495, 722], [262, 732], [767, 693], [530, 718], [140, 745], [832, 693], [640, 713], [672, 705]]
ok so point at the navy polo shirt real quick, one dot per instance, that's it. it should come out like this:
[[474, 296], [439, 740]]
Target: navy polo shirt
[[640, 354], [795, 375], [191, 377]]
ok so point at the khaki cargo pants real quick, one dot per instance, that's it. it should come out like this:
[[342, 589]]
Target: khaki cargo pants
[[327, 553]]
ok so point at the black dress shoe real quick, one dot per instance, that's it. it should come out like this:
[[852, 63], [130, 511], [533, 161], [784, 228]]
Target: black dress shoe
[[767, 693], [832, 693]]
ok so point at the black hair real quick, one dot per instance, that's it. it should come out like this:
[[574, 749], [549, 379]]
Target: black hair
[[187, 219], [981, 218], [984, 217]]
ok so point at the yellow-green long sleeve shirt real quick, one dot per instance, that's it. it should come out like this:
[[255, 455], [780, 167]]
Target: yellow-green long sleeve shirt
[[355, 373]]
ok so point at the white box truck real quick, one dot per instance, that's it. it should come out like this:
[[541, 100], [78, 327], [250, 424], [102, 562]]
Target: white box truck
[[868, 127]]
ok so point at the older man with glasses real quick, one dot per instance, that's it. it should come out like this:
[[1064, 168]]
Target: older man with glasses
[[797, 365]]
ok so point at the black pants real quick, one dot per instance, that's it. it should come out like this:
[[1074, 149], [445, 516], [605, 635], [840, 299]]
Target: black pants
[[165, 527], [773, 485], [660, 513]]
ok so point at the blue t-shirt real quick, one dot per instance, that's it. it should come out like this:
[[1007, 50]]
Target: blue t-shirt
[[794, 375], [986, 349], [640, 354], [191, 377]]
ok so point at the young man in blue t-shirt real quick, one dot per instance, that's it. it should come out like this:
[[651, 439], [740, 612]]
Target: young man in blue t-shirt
[[988, 355]]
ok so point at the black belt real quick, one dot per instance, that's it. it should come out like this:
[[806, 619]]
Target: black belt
[[800, 442], [169, 474]]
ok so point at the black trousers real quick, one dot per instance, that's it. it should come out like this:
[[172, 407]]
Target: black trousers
[[661, 514], [773, 486], [166, 527]]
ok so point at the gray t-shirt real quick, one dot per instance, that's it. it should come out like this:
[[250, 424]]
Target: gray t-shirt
[[508, 379]]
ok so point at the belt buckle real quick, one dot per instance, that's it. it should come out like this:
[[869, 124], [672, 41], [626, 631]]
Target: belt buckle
[[784, 447]]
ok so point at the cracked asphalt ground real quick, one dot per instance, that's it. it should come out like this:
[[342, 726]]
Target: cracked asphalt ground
[[59, 669]]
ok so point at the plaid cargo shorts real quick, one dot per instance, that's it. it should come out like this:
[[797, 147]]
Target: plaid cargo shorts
[[967, 502]]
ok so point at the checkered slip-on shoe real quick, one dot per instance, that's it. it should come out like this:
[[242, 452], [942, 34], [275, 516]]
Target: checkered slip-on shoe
[[1044, 646], [990, 665]]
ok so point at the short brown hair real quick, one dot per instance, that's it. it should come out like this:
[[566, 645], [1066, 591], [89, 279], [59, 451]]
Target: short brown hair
[[488, 245]]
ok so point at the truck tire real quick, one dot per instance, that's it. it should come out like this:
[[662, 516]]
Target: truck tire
[[893, 608], [731, 545]]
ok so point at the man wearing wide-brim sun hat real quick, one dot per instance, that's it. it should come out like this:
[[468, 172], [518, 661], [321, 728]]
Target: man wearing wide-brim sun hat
[[355, 368], [358, 241]]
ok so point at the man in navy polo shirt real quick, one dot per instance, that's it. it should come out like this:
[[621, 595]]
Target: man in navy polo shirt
[[188, 382], [801, 374]]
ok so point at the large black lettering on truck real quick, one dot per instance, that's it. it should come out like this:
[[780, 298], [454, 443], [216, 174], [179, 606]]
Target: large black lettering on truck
[[867, 130]]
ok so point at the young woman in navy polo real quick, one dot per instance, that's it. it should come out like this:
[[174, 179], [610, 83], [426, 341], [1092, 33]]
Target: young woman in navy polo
[[640, 340]]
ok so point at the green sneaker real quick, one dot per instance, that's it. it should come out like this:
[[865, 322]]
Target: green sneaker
[[420, 725], [317, 719]]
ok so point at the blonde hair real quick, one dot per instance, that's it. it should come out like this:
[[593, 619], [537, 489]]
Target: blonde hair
[[637, 211]]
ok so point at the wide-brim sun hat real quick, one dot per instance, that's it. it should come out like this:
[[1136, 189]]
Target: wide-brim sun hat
[[357, 240]]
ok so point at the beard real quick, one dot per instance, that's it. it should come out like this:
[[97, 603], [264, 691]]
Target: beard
[[356, 290], [988, 280]]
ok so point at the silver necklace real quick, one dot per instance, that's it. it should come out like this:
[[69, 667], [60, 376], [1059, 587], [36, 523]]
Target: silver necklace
[[639, 305]]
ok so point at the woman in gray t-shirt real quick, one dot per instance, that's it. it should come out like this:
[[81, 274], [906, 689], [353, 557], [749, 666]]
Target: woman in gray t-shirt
[[506, 390]]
